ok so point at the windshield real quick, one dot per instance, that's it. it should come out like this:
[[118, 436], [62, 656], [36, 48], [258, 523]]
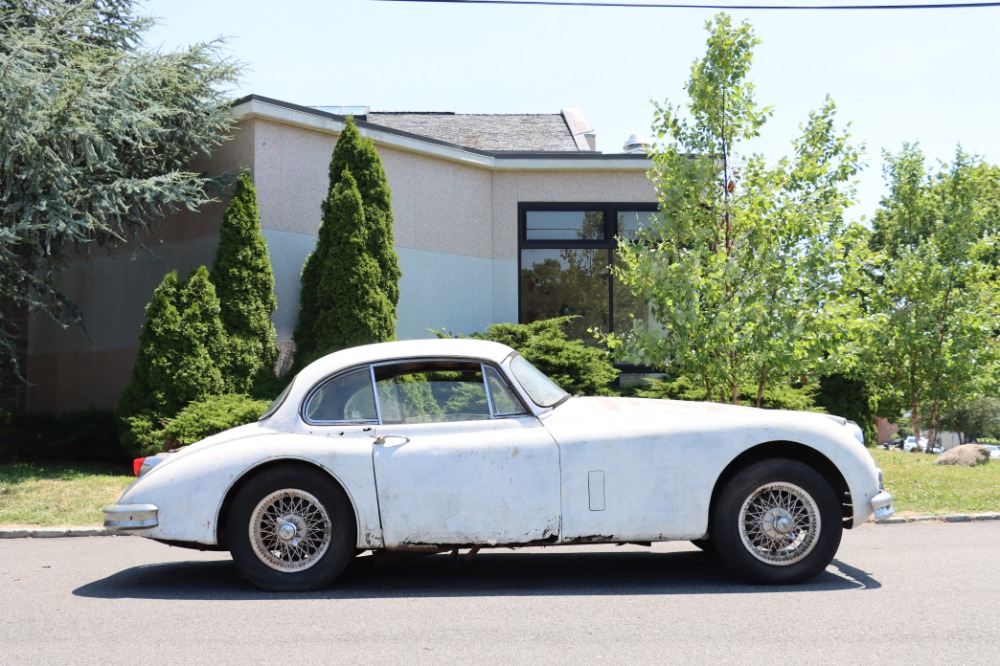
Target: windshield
[[277, 402], [543, 391]]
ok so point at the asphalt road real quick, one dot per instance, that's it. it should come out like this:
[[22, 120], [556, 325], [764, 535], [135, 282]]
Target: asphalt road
[[921, 593]]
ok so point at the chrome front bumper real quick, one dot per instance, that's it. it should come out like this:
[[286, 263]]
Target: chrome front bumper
[[882, 504], [130, 516]]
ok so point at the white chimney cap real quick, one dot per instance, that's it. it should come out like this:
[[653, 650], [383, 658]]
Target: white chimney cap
[[636, 143]]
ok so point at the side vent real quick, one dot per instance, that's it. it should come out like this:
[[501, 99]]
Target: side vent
[[595, 482]]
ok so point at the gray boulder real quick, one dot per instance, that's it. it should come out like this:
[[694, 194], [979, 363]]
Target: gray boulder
[[969, 455]]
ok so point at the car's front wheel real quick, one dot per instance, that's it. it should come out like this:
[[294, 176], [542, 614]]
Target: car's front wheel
[[777, 522], [291, 528]]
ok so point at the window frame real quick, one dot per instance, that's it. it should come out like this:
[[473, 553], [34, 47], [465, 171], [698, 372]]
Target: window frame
[[609, 242], [318, 386], [373, 384]]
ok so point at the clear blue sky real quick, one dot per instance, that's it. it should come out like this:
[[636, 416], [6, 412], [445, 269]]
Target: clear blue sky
[[931, 76]]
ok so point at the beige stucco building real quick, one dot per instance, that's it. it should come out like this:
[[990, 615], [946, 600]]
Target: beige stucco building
[[465, 190]]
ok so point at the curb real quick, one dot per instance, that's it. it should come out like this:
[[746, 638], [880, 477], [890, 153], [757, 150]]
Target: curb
[[54, 532], [61, 532], [950, 518]]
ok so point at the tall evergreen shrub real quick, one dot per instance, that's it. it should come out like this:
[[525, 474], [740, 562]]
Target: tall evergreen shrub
[[349, 307], [180, 345], [244, 284], [149, 388], [375, 288], [362, 159]]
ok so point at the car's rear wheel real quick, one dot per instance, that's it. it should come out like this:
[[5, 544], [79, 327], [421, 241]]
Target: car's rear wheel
[[291, 528], [777, 521]]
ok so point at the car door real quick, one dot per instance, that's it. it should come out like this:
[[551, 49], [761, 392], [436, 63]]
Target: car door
[[459, 461]]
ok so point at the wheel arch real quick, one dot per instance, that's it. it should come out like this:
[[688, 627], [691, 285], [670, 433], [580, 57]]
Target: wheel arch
[[790, 451], [222, 535]]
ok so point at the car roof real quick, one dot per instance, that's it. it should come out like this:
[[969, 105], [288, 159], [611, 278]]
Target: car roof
[[401, 349]]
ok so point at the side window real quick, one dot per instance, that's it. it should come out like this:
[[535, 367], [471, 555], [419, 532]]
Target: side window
[[505, 402], [431, 392], [344, 398]]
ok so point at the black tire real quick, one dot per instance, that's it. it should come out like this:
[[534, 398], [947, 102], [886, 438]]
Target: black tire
[[706, 545], [777, 522], [291, 529]]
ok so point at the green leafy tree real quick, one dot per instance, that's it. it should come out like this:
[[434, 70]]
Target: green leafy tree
[[974, 419], [96, 138], [180, 344], [934, 306], [346, 307], [380, 281], [743, 269], [244, 284]]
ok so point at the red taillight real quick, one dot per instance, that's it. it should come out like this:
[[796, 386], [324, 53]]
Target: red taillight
[[137, 465]]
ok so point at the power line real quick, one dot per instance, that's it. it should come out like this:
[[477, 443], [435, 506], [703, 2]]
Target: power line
[[675, 5]]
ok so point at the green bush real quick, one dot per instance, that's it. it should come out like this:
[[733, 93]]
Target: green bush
[[74, 436], [575, 366], [850, 398], [799, 398], [209, 416]]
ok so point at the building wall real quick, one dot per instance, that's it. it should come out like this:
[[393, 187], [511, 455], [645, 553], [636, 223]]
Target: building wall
[[455, 231]]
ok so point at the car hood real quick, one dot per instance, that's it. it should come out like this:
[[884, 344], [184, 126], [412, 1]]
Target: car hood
[[601, 409]]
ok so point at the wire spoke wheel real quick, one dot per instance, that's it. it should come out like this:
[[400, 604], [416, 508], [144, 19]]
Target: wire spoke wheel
[[779, 523], [290, 530]]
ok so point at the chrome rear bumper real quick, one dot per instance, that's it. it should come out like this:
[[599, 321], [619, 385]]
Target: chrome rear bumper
[[130, 516]]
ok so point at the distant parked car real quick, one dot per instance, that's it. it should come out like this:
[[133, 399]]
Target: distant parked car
[[994, 450], [911, 445]]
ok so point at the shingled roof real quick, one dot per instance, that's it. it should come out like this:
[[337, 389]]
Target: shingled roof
[[567, 131]]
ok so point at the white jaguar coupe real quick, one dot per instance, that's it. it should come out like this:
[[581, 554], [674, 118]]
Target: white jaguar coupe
[[435, 445]]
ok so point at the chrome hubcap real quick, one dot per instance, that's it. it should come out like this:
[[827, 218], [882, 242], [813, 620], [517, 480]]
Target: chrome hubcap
[[290, 530], [779, 523], [287, 532]]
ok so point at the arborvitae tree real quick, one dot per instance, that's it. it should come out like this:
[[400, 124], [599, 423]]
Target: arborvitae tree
[[181, 339], [150, 373], [203, 341], [244, 284], [359, 157], [347, 306]]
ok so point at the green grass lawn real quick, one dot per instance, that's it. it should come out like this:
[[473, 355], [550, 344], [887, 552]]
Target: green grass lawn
[[58, 495], [49, 495], [919, 486]]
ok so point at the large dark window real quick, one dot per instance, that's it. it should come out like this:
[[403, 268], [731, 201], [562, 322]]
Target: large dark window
[[566, 254]]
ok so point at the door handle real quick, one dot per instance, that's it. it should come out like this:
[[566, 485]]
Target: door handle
[[381, 440]]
